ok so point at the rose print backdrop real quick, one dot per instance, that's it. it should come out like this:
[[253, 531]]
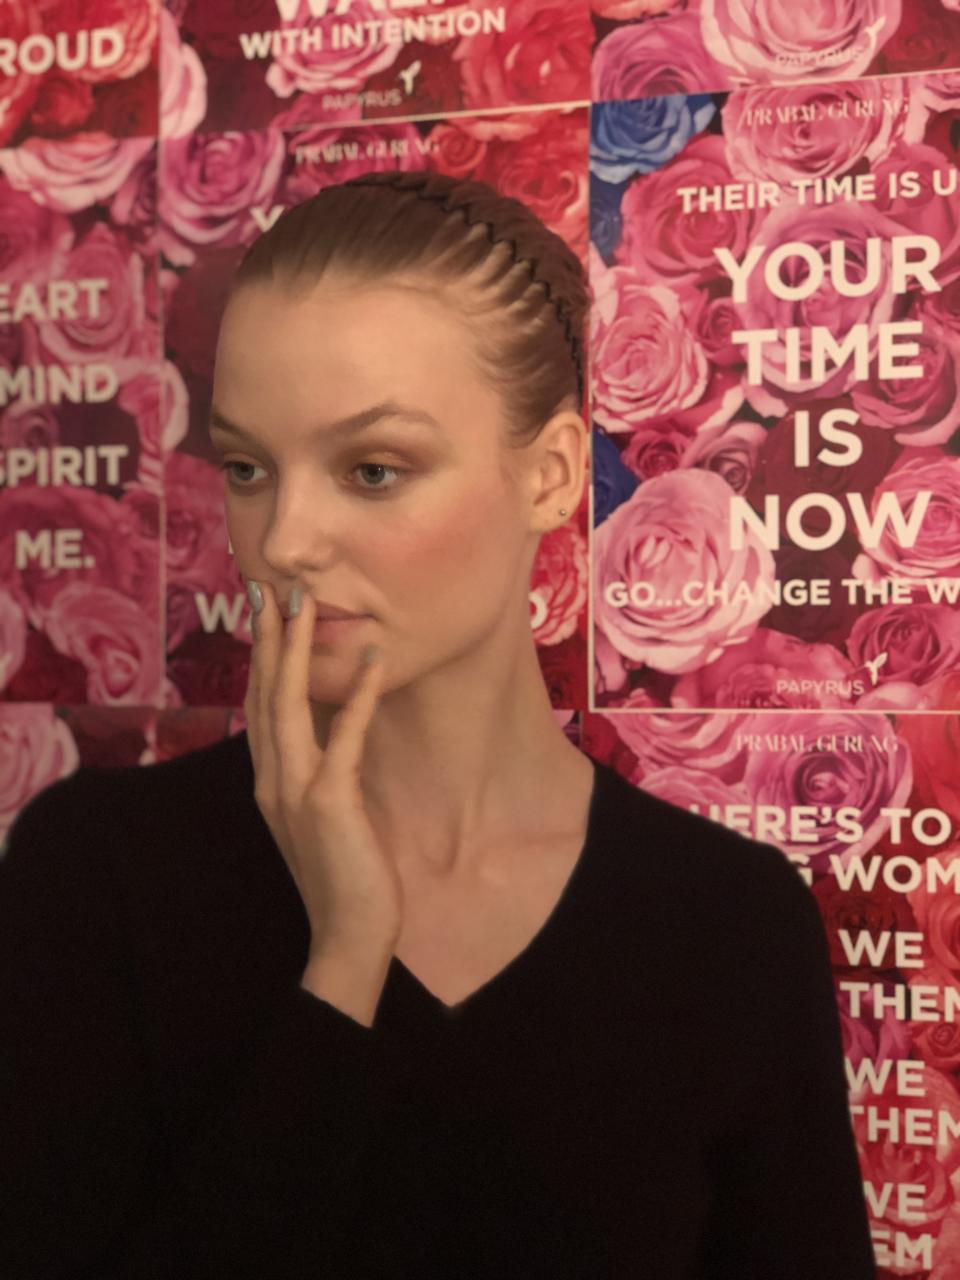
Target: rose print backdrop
[[142, 148]]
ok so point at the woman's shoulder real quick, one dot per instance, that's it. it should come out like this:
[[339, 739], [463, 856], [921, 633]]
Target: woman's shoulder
[[110, 802], [672, 851]]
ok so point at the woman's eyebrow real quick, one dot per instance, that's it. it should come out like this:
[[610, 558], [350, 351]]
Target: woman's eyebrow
[[355, 422]]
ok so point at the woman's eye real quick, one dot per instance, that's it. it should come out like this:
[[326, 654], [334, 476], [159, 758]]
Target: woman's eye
[[379, 467], [236, 479], [245, 481]]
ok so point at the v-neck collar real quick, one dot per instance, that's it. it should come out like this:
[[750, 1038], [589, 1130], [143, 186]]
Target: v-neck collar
[[401, 984]]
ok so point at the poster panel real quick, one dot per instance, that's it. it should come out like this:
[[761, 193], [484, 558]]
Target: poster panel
[[775, 351], [867, 807], [294, 62], [86, 409], [649, 48], [217, 192]]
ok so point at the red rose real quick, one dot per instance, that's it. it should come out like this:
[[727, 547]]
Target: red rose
[[543, 56], [136, 22], [62, 105], [183, 729], [18, 19], [125, 108], [109, 736], [45, 675], [545, 170], [210, 670], [195, 308], [777, 472]]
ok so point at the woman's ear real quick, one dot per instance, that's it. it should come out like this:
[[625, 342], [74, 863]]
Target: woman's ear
[[559, 472]]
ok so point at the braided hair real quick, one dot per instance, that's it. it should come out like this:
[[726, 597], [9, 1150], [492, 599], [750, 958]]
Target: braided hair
[[494, 257]]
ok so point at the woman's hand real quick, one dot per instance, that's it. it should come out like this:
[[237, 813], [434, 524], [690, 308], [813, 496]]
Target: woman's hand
[[311, 796]]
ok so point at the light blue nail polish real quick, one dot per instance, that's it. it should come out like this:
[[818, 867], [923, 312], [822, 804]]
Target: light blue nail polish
[[293, 605], [255, 595]]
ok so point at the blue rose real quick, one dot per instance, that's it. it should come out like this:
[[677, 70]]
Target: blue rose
[[613, 483], [605, 222], [628, 138]]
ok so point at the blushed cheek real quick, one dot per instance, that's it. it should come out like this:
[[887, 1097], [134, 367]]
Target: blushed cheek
[[456, 562]]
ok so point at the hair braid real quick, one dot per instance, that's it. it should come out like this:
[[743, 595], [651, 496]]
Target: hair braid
[[455, 232], [468, 198]]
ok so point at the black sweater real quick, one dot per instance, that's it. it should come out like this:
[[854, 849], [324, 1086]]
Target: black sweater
[[653, 1088]]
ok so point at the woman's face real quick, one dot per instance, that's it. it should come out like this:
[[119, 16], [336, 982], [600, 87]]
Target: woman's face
[[419, 521]]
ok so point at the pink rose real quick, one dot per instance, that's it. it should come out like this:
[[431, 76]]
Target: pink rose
[[671, 593], [655, 448], [667, 246], [326, 67], [13, 637], [558, 584], [708, 742], [924, 476], [208, 183], [938, 914], [110, 322], [72, 173], [544, 56], [924, 209], [34, 240], [118, 644], [936, 1043], [783, 42], [932, 1164], [818, 227], [196, 524], [869, 1036], [847, 764], [28, 426], [122, 558], [693, 789], [917, 641], [327, 154], [628, 10], [811, 131], [36, 749], [455, 150], [729, 450], [770, 670], [920, 411], [135, 205], [717, 320], [156, 397], [652, 59], [931, 93], [645, 361], [183, 85]]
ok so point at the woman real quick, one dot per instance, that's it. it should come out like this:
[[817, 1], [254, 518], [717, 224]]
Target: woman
[[399, 983]]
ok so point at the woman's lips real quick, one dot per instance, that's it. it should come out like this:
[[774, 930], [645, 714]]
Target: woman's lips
[[336, 628]]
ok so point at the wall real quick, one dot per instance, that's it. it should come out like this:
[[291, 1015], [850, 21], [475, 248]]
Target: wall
[[756, 611]]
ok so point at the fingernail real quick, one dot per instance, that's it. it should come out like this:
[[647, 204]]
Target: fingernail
[[368, 653], [293, 604], [255, 595]]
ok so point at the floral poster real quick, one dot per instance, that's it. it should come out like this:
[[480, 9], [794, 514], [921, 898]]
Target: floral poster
[[648, 48], [289, 63], [775, 346]]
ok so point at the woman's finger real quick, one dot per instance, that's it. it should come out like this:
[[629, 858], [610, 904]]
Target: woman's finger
[[292, 718], [344, 750], [269, 628]]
